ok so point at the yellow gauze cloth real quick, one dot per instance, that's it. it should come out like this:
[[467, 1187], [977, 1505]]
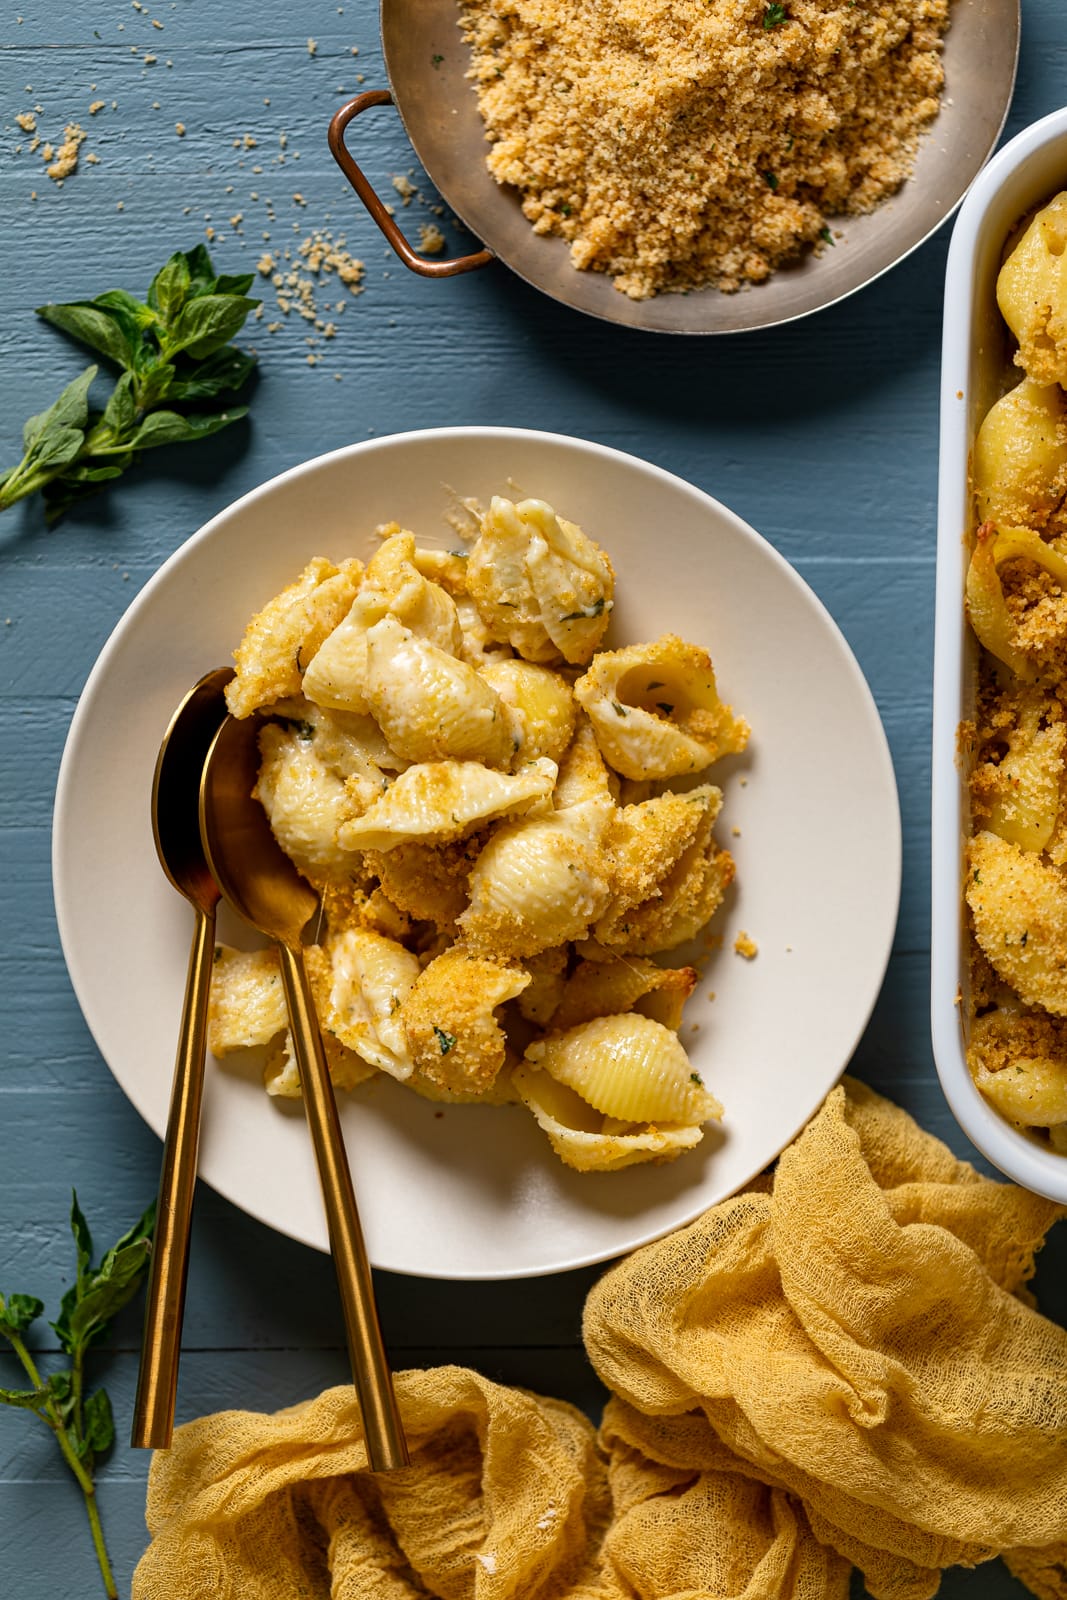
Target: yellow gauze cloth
[[856, 1333], [839, 1366]]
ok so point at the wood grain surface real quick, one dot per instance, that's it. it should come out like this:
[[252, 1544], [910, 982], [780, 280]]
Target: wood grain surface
[[822, 434]]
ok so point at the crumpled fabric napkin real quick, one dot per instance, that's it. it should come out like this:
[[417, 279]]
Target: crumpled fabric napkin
[[840, 1366]]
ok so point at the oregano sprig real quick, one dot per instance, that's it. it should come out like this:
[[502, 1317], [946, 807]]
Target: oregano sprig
[[80, 1419], [173, 353]]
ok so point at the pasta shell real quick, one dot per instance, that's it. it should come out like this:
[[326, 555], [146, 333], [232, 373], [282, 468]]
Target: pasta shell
[[536, 884], [627, 1067], [247, 1005], [370, 978], [539, 583], [428, 881], [608, 988], [1019, 1063], [283, 638], [436, 801], [1019, 791], [656, 709], [1032, 294], [668, 874], [306, 803], [453, 1034], [589, 1142], [1019, 462], [429, 705], [392, 585], [540, 705], [1018, 907]]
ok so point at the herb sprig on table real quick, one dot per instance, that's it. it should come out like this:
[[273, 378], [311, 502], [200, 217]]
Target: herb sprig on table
[[175, 358], [80, 1419]]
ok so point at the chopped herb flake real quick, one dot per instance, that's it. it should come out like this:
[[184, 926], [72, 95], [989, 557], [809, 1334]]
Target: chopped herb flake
[[771, 180], [827, 237], [435, 61], [774, 16], [597, 608], [661, 705], [445, 1040]]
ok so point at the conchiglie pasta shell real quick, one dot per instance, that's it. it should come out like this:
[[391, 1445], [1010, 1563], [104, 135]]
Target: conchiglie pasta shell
[[628, 1067], [436, 801], [536, 884], [539, 583], [306, 804], [370, 979], [429, 705], [579, 1135], [1018, 905], [1019, 464], [541, 703], [656, 709]]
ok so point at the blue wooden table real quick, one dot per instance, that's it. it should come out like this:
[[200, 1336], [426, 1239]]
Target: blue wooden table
[[822, 434]]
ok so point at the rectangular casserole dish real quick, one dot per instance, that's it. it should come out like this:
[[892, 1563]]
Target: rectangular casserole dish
[[976, 353]]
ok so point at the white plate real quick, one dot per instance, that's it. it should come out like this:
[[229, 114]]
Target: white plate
[[1030, 169], [475, 1192]]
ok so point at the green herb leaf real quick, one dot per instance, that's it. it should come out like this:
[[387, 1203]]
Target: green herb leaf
[[71, 410], [170, 286], [221, 373], [83, 1239], [201, 271], [25, 1399], [771, 180], [99, 1422], [774, 16], [827, 237], [17, 1311], [135, 311], [120, 413], [105, 330], [170, 427], [445, 1040], [235, 283], [207, 323]]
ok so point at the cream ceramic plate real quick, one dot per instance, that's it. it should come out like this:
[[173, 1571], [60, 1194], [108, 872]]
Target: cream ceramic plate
[[475, 1192]]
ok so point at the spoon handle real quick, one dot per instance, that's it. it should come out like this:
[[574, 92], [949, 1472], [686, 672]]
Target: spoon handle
[[157, 1382], [382, 1428]]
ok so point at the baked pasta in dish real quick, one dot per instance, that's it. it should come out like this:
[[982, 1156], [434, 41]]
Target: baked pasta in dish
[[1016, 870], [491, 807]]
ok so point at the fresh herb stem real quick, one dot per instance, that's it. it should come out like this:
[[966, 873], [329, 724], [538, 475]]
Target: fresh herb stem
[[81, 1422], [173, 353]]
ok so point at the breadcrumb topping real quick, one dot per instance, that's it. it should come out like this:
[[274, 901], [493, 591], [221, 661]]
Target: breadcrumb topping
[[676, 144]]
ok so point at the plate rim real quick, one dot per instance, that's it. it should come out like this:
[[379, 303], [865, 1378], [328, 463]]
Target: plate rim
[[892, 851]]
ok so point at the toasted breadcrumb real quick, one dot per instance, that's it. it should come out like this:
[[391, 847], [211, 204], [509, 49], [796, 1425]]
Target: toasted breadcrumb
[[66, 157], [745, 945], [681, 145], [431, 239]]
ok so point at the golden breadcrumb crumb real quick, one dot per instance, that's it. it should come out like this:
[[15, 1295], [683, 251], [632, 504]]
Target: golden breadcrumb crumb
[[677, 145], [745, 945]]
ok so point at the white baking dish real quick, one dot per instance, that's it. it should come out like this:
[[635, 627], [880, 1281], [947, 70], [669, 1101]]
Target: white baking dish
[[1029, 170]]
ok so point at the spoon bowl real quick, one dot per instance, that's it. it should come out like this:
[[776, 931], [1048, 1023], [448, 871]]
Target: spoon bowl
[[176, 830], [246, 860], [263, 886]]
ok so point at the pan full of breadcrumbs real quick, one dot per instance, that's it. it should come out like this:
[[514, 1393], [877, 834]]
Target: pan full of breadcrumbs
[[701, 166]]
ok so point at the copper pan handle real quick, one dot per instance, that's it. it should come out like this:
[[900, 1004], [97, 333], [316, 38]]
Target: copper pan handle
[[376, 206]]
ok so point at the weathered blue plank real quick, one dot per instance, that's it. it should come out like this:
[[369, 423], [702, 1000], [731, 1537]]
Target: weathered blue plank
[[823, 435]]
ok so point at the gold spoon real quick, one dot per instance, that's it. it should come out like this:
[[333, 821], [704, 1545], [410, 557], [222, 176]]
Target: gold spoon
[[264, 887], [175, 825]]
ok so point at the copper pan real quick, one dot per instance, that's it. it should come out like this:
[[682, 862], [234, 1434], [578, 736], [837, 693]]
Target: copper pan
[[427, 59]]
